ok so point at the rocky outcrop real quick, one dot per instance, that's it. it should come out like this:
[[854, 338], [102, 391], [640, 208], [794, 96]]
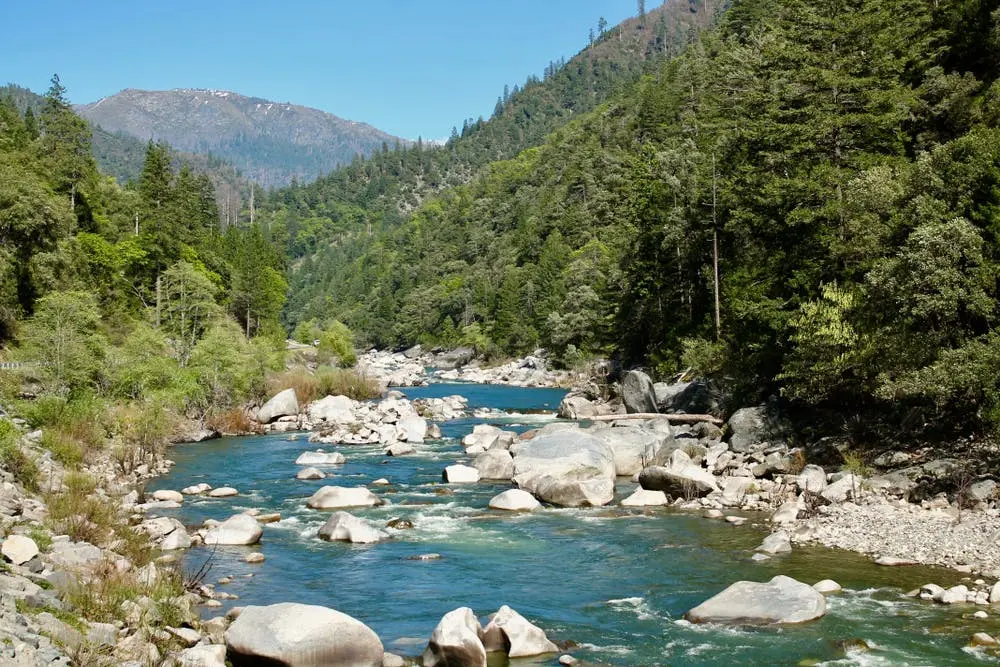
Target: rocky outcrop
[[282, 404], [637, 392], [782, 600], [456, 641], [298, 635], [337, 497], [568, 468]]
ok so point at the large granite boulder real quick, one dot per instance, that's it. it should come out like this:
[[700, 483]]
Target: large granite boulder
[[283, 404], [781, 600], [637, 393], [241, 529], [320, 459], [577, 406], [568, 468], [337, 497], [514, 635], [455, 641], [635, 448], [412, 429], [751, 427], [680, 477], [345, 527], [332, 410], [299, 635], [495, 463]]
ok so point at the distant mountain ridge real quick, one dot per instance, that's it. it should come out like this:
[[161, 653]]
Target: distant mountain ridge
[[273, 143]]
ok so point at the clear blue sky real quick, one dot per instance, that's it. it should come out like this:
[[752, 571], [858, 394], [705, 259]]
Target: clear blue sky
[[412, 68]]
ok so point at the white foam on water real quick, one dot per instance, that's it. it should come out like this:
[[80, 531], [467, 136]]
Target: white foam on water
[[636, 605], [613, 649]]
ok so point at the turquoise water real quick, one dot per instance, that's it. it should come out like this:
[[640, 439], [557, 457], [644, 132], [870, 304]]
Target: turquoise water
[[614, 583]]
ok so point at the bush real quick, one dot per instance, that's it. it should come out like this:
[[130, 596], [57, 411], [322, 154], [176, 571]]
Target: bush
[[65, 449], [100, 599], [14, 459], [326, 381]]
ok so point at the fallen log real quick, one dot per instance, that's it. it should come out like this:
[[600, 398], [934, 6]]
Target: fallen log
[[673, 419]]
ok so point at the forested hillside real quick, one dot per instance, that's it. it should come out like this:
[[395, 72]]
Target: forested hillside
[[845, 163]]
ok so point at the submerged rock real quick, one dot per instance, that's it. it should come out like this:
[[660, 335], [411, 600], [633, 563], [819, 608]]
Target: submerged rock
[[299, 635], [310, 473], [779, 601], [320, 459]]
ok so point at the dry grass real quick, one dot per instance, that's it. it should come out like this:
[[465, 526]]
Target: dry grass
[[232, 421], [326, 381]]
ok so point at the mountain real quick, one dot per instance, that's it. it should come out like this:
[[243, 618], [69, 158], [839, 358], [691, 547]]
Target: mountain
[[273, 143]]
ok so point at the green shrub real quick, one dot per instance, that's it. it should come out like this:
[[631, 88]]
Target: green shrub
[[14, 459]]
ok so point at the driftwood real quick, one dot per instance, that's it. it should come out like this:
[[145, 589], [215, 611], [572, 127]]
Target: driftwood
[[675, 419]]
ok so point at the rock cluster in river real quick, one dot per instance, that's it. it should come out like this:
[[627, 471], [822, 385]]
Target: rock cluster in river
[[460, 639]]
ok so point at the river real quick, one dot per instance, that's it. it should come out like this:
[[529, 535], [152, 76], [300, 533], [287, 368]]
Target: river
[[614, 582]]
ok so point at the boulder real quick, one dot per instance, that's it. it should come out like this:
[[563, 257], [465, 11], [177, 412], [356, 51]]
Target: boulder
[[735, 490], [19, 549], [954, 595], [844, 488], [240, 529], [787, 513], [566, 467], [337, 497], [495, 463], [455, 641], [637, 393], [332, 409], [283, 404], [412, 429], [776, 543], [995, 593], [577, 406], [205, 655], [299, 635], [345, 527], [456, 358], [514, 500], [827, 586], [781, 600], [483, 436], [748, 427], [223, 492], [310, 473], [635, 448], [513, 634], [644, 498], [167, 494], [320, 459], [195, 489], [177, 539], [812, 479], [400, 449], [460, 474], [678, 480], [666, 394]]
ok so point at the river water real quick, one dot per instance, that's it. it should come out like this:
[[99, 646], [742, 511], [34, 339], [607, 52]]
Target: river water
[[614, 582]]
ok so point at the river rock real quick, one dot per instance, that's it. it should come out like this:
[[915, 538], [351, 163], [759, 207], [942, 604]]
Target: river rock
[[310, 473], [455, 641], [283, 404], [781, 600], [19, 549], [512, 633], [332, 410], [827, 586], [787, 513], [636, 448], [645, 498], [320, 459], [223, 492], [577, 406], [637, 393], [196, 489], [337, 497], [844, 488], [483, 437], [812, 479], [460, 474], [995, 593], [400, 449], [748, 427], [776, 543], [412, 429], [568, 468], [678, 480], [168, 495], [495, 463], [514, 500], [177, 539], [298, 635], [206, 655], [345, 527], [240, 529], [954, 595]]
